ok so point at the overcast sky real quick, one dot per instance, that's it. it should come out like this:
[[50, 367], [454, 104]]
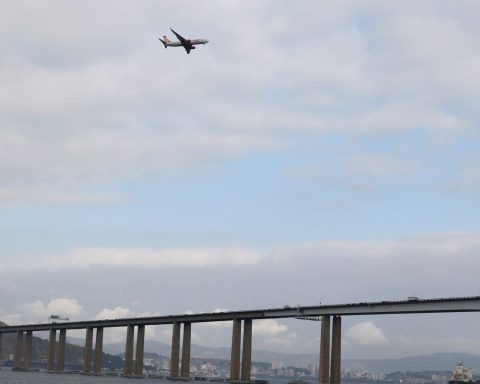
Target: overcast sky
[[310, 152]]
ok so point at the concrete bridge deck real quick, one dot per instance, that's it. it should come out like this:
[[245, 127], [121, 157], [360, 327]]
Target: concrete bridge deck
[[412, 306]]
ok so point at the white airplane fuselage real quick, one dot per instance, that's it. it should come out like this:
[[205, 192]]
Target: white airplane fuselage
[[192, 42]]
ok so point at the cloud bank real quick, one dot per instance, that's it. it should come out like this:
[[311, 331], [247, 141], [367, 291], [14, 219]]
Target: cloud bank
[[75, 120], [438, 249]]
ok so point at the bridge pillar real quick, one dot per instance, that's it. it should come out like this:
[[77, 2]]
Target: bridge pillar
[[187, 338], [1, 350], [324, 367], [87, 351], [336, 350], [129, 351], [139, 350], [97, 363], [62, 340], [175, 353], [51, 350], [17, 360], [247, 350], [236, 344], [27, 362]]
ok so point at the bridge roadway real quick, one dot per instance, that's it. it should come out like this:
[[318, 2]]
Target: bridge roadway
[[412, 306], [330, 342]]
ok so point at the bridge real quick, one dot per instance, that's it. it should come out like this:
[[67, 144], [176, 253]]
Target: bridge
[[241, 351]]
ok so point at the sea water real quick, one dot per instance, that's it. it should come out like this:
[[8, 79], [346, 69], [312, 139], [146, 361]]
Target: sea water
[[19, 377]]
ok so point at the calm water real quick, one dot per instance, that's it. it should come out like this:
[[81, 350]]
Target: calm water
[[18, 377]]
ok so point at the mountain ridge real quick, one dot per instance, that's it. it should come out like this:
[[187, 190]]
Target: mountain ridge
[[435, 361]]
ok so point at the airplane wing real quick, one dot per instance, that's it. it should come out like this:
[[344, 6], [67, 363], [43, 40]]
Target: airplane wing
[[180, 38]]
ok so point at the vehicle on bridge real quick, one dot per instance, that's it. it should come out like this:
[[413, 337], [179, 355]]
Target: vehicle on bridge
[[54, 318]]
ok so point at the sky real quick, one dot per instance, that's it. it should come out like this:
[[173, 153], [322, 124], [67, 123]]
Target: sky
[[312, 151]]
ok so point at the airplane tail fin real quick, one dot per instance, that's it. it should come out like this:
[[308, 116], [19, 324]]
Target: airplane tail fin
[[165, 41]]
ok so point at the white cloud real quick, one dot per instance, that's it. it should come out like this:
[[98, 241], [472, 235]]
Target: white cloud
[[13, 318], [443, 247], [269, 327], [113, 313], [366, 334], [38, 311], [86, 258], [272, 334], [404, 116], [440, 245]]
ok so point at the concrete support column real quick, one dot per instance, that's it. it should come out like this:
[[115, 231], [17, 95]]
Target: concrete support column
[[187, 338], [27, 362], [97, 364], [62, 340], [175, 353], [17, 360], [52, 339], [324, 367], [87, 352], [247, 350], [129, 351], [235, 356], [336, 350], [139, 350]]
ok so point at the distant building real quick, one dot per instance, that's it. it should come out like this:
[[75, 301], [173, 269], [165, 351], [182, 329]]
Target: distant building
[[313, 368], [277, 365], [290, 372], [208, 368], [149, 362], [364, 375]]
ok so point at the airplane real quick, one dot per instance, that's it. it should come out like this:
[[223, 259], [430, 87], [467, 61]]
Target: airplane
[[188, 44]]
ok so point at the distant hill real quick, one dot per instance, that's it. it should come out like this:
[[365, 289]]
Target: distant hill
[[301, 360], [432, 362], [436, 361], [73, 352]]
